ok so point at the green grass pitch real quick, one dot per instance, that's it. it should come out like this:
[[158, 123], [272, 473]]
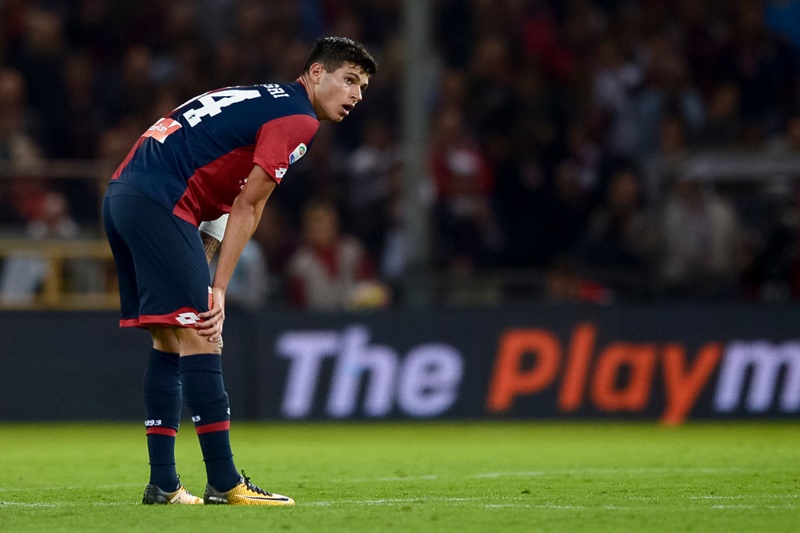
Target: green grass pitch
[[461, 477]]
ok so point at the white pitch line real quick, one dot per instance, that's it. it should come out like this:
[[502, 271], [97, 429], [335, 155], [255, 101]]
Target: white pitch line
[[390, 501], [398, 501], [659, 470], [744, 497], [484, 475], [507, 474], [23, 504], [408, 478], [710, 497], [772, 507], [66, 504], [73, 487], [511, 505]]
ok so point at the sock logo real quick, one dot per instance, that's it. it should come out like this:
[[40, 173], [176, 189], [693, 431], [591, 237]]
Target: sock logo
[[195, 419], [151, 423]]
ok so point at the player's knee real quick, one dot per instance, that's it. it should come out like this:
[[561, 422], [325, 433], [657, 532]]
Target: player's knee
[[164, 339]]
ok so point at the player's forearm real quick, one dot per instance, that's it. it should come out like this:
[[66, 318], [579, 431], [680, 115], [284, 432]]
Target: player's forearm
[[211, 233], [210, 245], [242, 221], [241, 225]]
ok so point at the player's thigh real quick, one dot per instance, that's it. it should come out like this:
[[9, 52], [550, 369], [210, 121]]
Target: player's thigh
[[172, 275]]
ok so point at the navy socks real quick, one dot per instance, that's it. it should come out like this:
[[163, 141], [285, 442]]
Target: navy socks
[[205, 395], [162, 398]]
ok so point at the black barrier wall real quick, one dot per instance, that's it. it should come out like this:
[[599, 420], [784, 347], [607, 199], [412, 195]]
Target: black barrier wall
[[666, 363]]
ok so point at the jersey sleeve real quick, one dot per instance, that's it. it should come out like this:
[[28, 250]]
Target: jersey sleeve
[[281, 142]]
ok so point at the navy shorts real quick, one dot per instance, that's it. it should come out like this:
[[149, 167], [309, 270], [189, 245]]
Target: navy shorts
[[161, 264]]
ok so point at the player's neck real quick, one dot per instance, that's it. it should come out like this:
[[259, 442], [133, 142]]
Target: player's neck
[[306, 83]]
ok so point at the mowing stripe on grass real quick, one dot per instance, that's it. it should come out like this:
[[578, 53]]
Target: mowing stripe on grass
[[413, 501], [456, 500], [434, 477], [537, 473]]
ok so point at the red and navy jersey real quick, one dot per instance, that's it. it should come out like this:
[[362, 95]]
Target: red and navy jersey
[[196, 160]]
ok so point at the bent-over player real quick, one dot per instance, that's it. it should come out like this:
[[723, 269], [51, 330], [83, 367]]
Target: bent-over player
[[224, 151]]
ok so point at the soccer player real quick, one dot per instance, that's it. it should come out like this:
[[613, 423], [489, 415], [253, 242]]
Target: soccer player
[[222, 152]]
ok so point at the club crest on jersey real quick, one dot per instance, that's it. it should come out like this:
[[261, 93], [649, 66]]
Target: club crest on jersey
[[297, 153]]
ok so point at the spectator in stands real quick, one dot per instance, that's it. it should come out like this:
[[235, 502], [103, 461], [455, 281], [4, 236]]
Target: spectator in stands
[[135, 88], [771, 270], [620, 237], [616, 81], [492, 85], [229, 65], [702, 243], [78, 118], [762, 66], [724, 124], [277, 239], [669, 91], [18, 145], [468, 231], [318, 174], [249, 286], [584, 156], [565, 212], [368, 182], [331, 270], [19, 150], [787, 141], [394, 258], [115, 141], [657, 80], [49, 218], [667, 160], [40, 58]]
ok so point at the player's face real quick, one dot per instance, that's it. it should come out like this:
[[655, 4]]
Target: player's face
[[339, 91]]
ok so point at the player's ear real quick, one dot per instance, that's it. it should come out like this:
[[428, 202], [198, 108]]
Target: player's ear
[[315, 72]]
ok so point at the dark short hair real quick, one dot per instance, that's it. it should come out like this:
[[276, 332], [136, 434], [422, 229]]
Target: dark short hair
[[333, 52]]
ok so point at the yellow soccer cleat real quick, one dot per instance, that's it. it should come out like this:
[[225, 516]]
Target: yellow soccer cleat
[[154, 495], [244, 493]]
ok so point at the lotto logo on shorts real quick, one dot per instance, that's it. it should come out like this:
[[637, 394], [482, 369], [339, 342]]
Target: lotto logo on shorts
[[186, 319]]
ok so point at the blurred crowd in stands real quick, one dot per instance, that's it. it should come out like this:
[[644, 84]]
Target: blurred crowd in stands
[[558, 130]]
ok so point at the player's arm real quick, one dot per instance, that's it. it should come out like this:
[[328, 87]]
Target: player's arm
[[210, 245], [243, 219], [211, 232]]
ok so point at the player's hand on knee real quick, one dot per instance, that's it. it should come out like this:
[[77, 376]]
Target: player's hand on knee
[[212, 320]]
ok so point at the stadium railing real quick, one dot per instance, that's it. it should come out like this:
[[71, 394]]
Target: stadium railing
[[55, 273], [75, 274]]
